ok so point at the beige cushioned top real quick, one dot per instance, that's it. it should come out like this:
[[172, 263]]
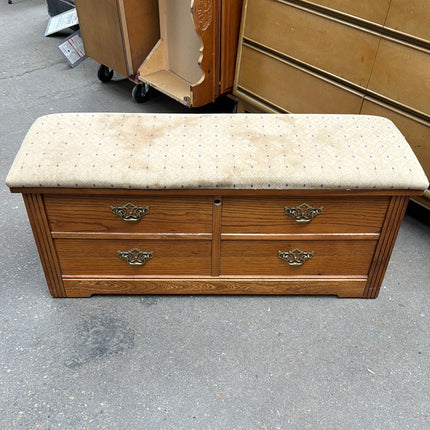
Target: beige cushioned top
[[242, 151]]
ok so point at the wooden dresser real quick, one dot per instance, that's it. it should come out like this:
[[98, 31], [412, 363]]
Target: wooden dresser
[[215, 204], [184, 48], [331, 56]]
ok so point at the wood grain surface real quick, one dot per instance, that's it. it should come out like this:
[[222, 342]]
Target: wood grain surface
[[93, 214], [339, 215], [95, 257], [331, 258], [226, 242]]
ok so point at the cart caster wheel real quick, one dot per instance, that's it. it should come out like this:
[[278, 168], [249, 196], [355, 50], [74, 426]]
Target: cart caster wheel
[[104, 73], [140, 92]]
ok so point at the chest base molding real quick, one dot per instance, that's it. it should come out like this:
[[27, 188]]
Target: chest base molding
[[225, 286]]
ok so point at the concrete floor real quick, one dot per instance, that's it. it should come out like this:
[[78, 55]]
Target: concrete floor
[[155, 362]]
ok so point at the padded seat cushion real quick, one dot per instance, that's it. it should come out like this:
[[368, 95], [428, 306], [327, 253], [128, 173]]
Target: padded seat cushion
[[238, 151]]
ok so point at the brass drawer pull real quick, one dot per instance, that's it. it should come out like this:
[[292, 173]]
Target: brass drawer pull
[[130, 212], [303, 213], [135, 257], [295, 257]]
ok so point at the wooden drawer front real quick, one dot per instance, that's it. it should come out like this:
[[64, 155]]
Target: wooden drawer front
[[402, 73], [100, 257], [330, 258], [291, 88], [94, 214], [410, 17], [339, 215], [312, 39], [416, 131], [369, 10]]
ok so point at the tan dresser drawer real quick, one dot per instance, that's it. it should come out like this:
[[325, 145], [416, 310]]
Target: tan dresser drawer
[[291, 88], [402, 73], [416, 131], [94, 214], [338, 215], [313, 39], [410, 17], [369, 10], [330, 257], [100, 257]]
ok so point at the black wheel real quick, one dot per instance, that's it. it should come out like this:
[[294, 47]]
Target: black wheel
[[104, 73], [140, 92]]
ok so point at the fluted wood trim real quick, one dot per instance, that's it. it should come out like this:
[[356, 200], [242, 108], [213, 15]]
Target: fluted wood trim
[[390, 229], [45, 245]]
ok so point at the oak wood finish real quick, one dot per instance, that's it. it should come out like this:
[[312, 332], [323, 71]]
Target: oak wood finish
[[231, 13], [207, 24], [349, 287], [331, 258], [339, 215], [385, 246], [45, 246], [94, 214], [229, 245], [170, 258]]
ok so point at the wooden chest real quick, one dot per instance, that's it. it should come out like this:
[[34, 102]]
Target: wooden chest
[[215, 204]]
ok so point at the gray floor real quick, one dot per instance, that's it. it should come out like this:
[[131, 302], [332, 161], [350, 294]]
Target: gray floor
[[149, 362]]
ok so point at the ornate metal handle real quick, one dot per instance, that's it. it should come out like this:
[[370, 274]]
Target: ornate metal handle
[[303, 213], [295, 257], [135, 257], [130, 212]]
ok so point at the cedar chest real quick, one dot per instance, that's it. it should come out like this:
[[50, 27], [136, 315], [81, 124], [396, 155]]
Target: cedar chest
[[215, 204]]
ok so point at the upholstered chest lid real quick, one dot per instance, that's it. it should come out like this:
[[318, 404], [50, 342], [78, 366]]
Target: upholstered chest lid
[[242, 151]]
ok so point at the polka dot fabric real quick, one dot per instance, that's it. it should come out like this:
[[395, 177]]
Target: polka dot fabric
[[240, 151]]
